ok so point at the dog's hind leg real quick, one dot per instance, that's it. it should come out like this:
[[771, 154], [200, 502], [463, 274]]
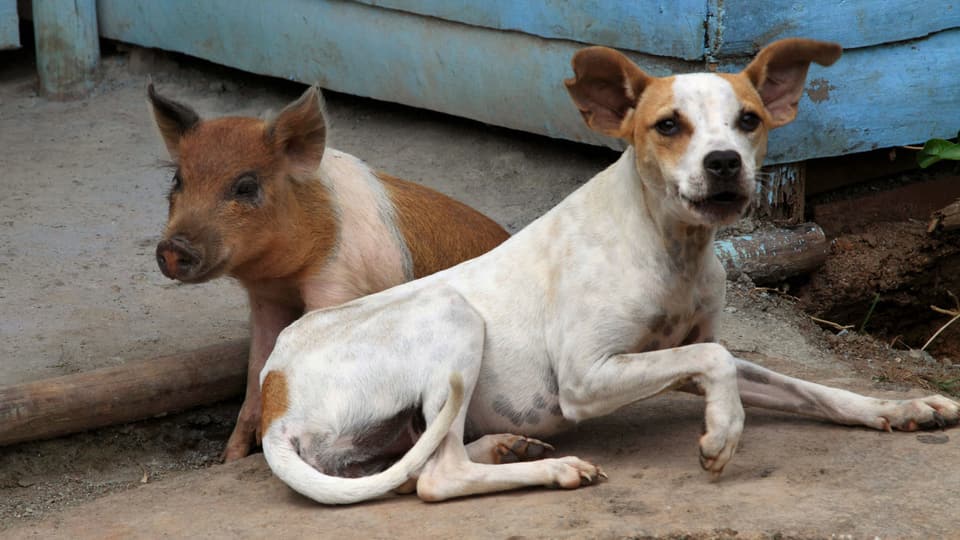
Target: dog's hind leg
[[450, 473], [762, 387], [507, 448]]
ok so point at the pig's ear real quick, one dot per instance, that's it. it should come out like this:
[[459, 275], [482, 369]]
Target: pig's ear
[[173, 119], [299, 133]]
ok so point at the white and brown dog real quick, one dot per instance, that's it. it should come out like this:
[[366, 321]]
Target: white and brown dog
[[609, 298]]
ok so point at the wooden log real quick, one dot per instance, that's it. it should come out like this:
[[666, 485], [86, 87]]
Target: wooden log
[[775, 255], [68, 46], [945, 219], [132, 391]]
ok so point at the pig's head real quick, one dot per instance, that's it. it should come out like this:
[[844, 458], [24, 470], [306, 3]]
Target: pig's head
[[234, 195]]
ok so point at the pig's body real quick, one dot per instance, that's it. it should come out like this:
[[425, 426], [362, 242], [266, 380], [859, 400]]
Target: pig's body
[[302, 227]]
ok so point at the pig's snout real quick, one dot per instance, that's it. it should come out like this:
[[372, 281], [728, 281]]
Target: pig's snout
[[177, 258]]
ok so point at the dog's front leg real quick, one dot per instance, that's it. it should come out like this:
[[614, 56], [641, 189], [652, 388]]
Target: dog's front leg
[[606, 385], [762, 387]]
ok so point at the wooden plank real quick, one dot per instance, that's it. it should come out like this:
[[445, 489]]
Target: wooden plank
[[829, 174], [896, 94], [890, 95], [746, 25], [879, 202], [9, 25], [131, 391], [503, 78], [647, 26], [772, 256], [68, 46], [780, 194]]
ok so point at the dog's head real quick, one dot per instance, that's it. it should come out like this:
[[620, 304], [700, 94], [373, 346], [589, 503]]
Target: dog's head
[[699, 138]]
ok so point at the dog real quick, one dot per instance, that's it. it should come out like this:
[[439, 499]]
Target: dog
[[611, 297], [301, 226]]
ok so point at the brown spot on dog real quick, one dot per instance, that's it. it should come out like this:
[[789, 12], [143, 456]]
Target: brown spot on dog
[[276, 399], [502, 406], [692, 335], [424, 217], [657, 323]]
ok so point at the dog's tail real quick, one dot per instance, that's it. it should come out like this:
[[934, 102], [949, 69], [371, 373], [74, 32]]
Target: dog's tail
[[287, 464]]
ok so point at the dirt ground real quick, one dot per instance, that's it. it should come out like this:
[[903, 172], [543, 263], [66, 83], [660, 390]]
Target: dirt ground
[[82, 206]]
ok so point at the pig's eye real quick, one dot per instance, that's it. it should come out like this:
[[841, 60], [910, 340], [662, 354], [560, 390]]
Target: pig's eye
[[176, 183], [247, 189]]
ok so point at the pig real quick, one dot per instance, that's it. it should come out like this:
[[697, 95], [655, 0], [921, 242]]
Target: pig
[[299, 225]]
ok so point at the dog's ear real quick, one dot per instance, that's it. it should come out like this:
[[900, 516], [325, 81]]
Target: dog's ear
[[299, 133], [779, 72], [173, 119], [605, 87]]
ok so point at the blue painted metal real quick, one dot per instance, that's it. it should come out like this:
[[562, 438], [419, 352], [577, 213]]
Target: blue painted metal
[[659, 27], [741, 27], [9, 25], [68, 46]]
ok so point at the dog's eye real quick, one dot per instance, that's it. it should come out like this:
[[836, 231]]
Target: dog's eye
[[246, 188], [748, 121], [667, 127]]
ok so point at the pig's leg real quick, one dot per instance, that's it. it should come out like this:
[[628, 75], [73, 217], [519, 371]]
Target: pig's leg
[[267, 320]]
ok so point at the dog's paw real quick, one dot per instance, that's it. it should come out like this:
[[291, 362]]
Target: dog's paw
[[720, 441], [572, 472], [514, 448], [931, 412]]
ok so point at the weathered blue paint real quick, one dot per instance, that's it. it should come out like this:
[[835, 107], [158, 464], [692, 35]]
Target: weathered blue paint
[[774, 254], [741, 27], [9, 25], [68, 47], [660, 27], [880, 96], [875, 97], [505, 78]]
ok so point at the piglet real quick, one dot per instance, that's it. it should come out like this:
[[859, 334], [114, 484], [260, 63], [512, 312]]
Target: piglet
[[299, 225]]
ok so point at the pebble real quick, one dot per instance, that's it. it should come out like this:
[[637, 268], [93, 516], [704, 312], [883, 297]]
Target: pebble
[[917, 354]]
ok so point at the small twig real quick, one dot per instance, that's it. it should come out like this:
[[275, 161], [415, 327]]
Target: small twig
[[950, 312], [863, 325], [912, 147], [942, 328], [778, 291], [830, 323], [899, 338]]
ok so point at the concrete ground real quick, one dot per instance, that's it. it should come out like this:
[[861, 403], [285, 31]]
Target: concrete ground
[[83, 204]]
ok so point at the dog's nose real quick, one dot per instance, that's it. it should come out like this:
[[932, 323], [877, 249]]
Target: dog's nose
[[722, 164], [176, 257]]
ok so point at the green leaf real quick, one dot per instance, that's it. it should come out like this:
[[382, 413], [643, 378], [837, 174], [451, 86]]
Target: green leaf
[[937, 149]]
